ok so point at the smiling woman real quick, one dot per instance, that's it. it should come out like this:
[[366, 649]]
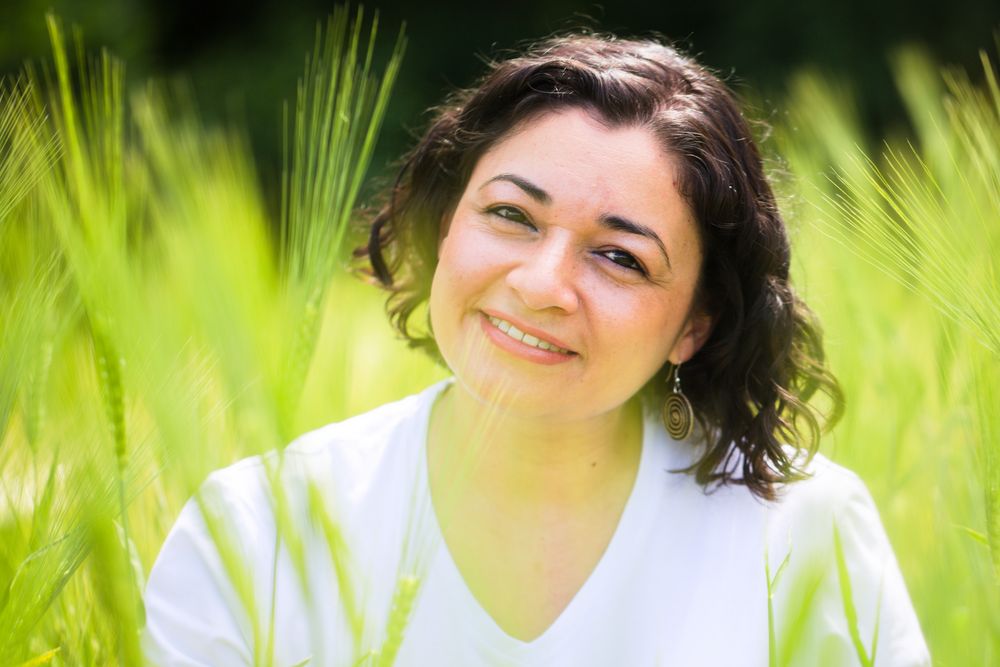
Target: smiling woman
[[584, 223]]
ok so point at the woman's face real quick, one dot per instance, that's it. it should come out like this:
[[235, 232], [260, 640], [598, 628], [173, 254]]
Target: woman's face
[[566, 275]]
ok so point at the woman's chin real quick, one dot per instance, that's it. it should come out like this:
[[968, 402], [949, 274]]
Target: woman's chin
[[508, 394]]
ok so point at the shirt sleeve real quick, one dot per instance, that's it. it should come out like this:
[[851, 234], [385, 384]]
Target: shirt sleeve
[[194, 616], [843, 600], [876, 586]]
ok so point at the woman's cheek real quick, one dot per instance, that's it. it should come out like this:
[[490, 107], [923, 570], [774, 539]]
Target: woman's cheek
[[473, 257]]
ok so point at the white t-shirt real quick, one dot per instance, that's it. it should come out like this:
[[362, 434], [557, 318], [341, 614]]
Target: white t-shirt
[[684, 580]]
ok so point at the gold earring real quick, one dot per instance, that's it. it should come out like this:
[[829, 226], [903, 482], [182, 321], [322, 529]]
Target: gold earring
[[678, 416]]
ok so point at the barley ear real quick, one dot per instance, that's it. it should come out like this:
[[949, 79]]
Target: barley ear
[[399, 615]]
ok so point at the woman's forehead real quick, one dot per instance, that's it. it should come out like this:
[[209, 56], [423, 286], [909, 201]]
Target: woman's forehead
[[572, 156]]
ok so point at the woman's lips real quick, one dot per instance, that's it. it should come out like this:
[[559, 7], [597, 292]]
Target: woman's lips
[[524, 341]]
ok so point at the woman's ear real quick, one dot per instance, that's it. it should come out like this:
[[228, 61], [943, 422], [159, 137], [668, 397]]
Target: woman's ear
[[694, 334]]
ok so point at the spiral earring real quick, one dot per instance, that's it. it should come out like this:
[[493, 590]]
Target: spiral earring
[[678, 416]]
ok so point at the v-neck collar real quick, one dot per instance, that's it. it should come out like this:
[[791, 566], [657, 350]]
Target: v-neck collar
[[475, 622]]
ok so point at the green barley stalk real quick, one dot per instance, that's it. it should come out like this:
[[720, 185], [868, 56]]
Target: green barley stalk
[[36, 583], [800, 609], [43, 659], [772, 587], [234, 564], [342, 563], [23, 312], [210, 269], [113, 555], [850, 612], [407, 587], [932, 222], [288, 536], [27, 151], [340, 106], [88, 212], [88, 206], [26, 148], [35, 389], [934, 226], [987, 393], [32, 284]]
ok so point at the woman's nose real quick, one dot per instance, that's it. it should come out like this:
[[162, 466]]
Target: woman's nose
[[546, 277]]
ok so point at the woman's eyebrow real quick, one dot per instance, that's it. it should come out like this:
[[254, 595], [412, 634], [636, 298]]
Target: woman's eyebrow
[[621, 224], [532, 190]]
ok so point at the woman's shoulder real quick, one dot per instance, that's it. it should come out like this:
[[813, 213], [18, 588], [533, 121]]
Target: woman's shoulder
[[829, 501], [824, 485], [359, 438], [342, 456], [826, 528], [827, 490], [824, 481]]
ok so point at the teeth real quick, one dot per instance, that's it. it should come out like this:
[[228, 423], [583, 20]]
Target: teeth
[[527, 339]]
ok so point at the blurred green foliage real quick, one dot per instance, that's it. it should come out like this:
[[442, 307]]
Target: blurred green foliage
[[243, 56]]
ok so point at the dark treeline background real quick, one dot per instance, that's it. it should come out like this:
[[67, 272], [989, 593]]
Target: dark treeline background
[[243, 57]]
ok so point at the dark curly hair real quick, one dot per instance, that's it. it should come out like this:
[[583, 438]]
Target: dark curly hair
[[751, 381]]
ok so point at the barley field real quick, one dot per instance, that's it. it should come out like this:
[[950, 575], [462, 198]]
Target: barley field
[[159, 320]]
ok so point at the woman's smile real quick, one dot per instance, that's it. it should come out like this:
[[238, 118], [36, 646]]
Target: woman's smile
[[535, 346]]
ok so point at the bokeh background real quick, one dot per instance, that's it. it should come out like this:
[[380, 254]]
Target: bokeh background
[[243, 57]]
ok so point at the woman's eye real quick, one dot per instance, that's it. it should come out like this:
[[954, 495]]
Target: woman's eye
[[510, 213], [624, 259]]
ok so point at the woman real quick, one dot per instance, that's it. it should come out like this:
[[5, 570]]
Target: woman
[[621, 471]]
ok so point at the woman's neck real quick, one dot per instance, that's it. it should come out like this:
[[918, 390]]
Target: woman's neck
[[526, 463]]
